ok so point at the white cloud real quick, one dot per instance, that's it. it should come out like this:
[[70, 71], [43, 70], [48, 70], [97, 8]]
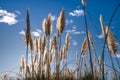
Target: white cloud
[[73, 31], [77, 13], [69, 21], [74, 27], [18, 12], [100, 36], [82, 32], [76, 32], [38, 30], [7, 17], [22, 32], [74, 43], [53, 18], [35, 34], [118, 55], [69, 31]]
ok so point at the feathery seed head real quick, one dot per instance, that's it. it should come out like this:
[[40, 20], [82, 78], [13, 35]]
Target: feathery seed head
[[44, 42], [55, 44], [22, 64], [45, 57], [61, 22], [64, 53], [112, 44], [44, 25], [61, 54], [54, 56], [28, 70], [37, 48], [31, 46], [51, 45], [40, 45], [84, 47], [83, 2], [90, 39], [67, 41], [49, 24], [36, 58], [27, 33], [50, 58]]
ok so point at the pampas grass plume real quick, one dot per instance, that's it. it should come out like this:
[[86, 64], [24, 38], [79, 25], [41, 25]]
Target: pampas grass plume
[[83, 2], [84, 47], [61, 22]]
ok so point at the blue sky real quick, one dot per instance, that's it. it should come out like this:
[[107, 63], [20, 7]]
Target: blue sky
[[13, 25]]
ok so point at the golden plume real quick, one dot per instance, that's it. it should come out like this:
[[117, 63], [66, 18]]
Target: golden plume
[[61, 22], [84, 47]]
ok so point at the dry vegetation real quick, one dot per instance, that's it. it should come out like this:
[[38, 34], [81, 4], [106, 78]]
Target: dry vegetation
[[46, 50]]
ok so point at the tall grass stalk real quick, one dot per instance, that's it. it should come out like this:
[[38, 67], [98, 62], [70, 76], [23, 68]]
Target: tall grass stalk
[[60, 27], [28, 37], [102, 57], [89, 50]]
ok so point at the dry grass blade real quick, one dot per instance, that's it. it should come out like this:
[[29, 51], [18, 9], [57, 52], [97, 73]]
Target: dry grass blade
[[102, 25]]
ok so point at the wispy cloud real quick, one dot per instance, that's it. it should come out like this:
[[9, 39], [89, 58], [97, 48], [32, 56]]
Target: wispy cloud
[[74, 31], [69, 21], [77, 12], [54, 18], [77, 32], [38, 30], [22, 32], [100, 36], [36, 33], [7, 17], [74, 43], [118, 55], [74, 27], [18, 12]]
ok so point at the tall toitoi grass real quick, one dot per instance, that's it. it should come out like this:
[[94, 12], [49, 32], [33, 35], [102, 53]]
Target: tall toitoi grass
[[49, 57]]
